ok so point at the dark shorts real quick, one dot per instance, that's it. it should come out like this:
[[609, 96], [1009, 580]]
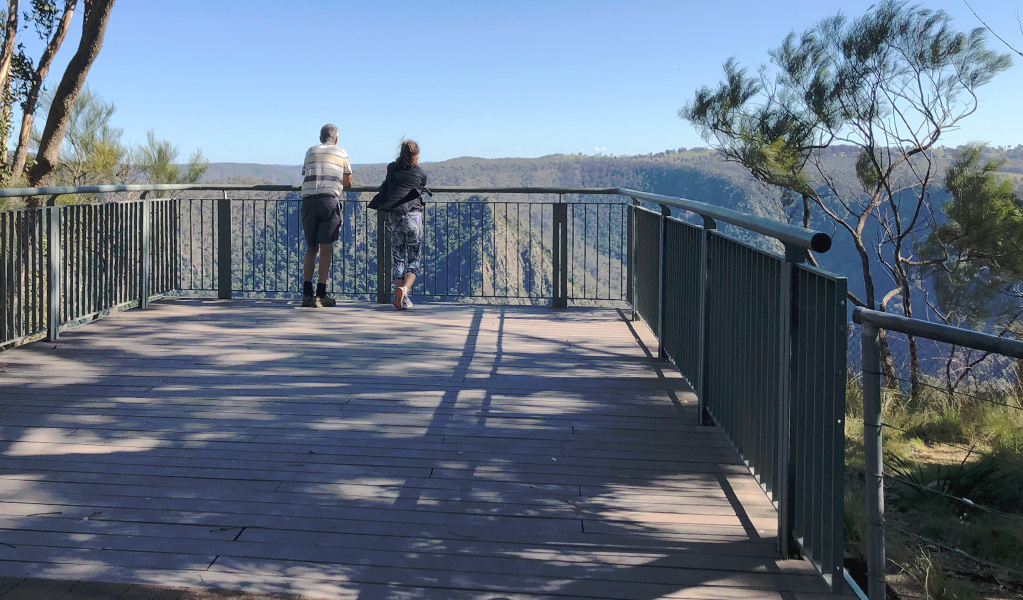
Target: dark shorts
[[321, 219]]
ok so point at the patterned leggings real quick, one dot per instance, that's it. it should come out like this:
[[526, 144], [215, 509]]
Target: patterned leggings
[[406, 235]]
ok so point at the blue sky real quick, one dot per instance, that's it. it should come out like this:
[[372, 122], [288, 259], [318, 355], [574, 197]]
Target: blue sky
[[253, 81]]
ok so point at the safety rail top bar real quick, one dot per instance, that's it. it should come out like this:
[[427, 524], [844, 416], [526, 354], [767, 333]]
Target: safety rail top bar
[[817, 241], [938, 332]]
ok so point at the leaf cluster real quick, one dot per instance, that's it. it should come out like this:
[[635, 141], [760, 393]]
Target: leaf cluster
[[975, 258], [94, 152], [889, 83]]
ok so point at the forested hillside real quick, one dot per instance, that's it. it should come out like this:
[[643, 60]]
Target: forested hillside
[[698, 174]]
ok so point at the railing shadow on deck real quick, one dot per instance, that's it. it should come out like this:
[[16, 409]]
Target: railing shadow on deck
[[691, 285]]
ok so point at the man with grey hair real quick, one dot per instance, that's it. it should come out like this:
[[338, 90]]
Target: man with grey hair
[[327, 171]]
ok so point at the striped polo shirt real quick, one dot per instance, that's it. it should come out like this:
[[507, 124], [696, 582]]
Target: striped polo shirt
[[324, 168]]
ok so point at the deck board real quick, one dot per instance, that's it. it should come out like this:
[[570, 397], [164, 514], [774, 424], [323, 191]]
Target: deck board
[[451, 451]]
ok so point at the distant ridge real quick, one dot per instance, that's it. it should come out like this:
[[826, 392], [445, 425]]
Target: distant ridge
[[697, 173], [280, 174]]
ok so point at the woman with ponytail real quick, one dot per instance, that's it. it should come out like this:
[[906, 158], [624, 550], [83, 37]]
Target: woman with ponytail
[[401, 196]]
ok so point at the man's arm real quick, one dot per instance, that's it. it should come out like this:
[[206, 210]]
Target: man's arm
[[346, 180]]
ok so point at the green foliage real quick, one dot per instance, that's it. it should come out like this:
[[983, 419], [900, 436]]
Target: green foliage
[[967, 479], [939, 448], [92, 152], [157, 161], [975, 258], [928, 568], [889, 83], [767, 139]]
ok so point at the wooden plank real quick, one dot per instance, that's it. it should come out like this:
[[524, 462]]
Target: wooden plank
[[695, 500], [564, 561], [525, 453]]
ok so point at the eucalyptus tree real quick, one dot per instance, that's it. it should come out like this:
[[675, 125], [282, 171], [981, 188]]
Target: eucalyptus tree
[[21, 77], [157, 161], [889, 83], [974, 257], [94, 24], [92, 151], [52, 24]]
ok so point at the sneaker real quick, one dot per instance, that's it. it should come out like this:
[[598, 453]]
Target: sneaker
[[399, 295], [406, 303], [325, 301], [308, 301]]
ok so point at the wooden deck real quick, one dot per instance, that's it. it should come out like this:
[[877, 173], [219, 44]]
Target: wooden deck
[[450, 451]]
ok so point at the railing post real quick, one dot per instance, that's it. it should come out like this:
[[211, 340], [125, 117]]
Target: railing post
[[786, 479], [873, 460], [224, 248], [661, 267], [383, 260], [559, 255], [703, 371], [630, 262], [54, 275], [145, 263]]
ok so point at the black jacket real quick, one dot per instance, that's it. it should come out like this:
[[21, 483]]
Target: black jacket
[[400, 191]]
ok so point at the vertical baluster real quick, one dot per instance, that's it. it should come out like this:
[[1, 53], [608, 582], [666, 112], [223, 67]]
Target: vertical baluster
[[94, 272], [559, 254], [9, 249], [28, 226], [6, 306], [224, 271], [54, 272], [286, 222], [145, 251], [276, 271], [18, 257], [105, 263], [35, 267], [123, 236]]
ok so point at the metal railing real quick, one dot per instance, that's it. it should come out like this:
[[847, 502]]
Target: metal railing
[[122, 253], [871, 323], [759, 336], [474, 250], [22, 248]]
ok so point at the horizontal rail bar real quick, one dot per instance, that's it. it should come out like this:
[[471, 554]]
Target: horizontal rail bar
[[817, 241], [178, 187], [162, 187], [941, 333]]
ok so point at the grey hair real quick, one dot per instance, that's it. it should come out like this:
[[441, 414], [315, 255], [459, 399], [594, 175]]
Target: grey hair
[[328, 133]]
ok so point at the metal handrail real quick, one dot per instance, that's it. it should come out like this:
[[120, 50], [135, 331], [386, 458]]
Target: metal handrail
[[788, 234], [872, 322], [818, 241], [941, 333]]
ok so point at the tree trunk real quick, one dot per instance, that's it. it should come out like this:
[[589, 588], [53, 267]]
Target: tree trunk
[[806, 225], [887, 362], [6, 54], [914, 354], [32, 99], [1019, 380], [6, 98], [97, 14]]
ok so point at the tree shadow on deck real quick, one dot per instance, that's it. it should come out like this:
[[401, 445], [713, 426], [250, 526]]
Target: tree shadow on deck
[[453, 452]]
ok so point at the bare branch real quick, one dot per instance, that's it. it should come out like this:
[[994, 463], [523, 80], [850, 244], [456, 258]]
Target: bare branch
[[988, 27]]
